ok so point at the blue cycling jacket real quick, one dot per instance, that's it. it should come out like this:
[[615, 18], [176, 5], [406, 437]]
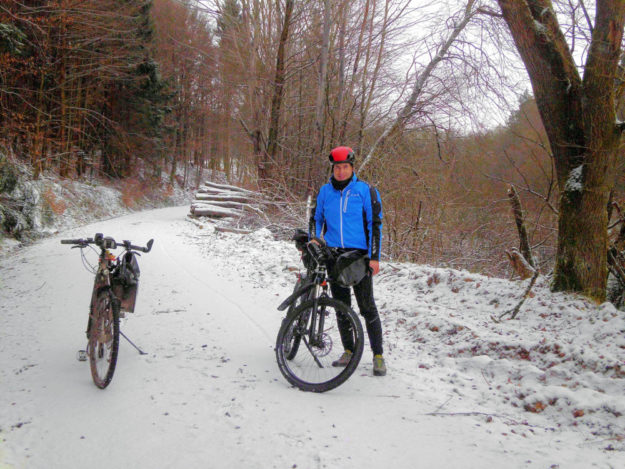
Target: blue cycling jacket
[[351, 218]]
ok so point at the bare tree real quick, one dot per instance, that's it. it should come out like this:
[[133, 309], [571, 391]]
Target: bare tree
[[278, 86], [320, 119], [421, 78], [579, 117]]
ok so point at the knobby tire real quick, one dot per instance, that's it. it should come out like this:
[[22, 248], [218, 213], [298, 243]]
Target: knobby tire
[[309, 366], [103, 338], [293, 341]]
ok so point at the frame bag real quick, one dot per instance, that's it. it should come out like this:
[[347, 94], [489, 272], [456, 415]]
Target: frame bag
[[350, 268]]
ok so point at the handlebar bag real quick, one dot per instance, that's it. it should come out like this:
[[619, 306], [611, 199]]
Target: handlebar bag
[[307, 259], [301, 243], [126, 281], [350, 268], [300, 237]]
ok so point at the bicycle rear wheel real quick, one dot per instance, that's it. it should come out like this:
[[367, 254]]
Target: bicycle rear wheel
[[310, 368], [103, 338]]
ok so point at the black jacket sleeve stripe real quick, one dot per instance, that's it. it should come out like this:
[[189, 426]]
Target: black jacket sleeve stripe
[[376, 235], [312, 224]]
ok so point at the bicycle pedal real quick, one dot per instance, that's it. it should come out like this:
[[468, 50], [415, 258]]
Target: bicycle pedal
[[81, 355]]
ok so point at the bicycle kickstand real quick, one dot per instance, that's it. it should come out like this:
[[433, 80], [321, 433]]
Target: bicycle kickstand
[[141, 352]]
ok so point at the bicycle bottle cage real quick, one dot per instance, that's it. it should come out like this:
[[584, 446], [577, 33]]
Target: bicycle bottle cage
[[125, 281]]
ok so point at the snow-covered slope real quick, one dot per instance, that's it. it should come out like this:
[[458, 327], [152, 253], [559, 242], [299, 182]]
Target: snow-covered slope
[[545, 390], [34, 208]]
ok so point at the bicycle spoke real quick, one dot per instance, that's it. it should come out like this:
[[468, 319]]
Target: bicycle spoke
[[312, 352]]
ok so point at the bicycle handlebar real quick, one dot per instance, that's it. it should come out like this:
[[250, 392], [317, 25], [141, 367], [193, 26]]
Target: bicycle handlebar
[[129, 246], [108, 243], [319, 250], [75, 241]]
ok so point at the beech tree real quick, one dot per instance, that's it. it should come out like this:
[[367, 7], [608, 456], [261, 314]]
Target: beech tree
[[578, 112]]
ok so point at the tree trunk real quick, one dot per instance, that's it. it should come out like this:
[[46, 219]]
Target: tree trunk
[[340, 92], [278, 88], [350, 92], [581, 259], [580, 121], [320, 120]]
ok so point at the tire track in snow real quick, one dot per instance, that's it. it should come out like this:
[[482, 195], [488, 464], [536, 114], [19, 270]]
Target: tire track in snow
[[208, 286]]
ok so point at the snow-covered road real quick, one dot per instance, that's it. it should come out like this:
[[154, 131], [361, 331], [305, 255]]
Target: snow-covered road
[[208, 394]]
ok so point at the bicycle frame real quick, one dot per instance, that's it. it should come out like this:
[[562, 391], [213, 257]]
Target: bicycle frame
[[312, 320], [103, 274], [315, 280], [106, 260]]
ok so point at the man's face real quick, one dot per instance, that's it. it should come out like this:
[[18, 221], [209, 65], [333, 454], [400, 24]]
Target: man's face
[[342, 171]]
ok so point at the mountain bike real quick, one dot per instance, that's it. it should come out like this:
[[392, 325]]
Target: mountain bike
[[114, 293], [309, 340]]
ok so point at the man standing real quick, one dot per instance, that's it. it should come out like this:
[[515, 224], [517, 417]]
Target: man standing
[[348, 213]]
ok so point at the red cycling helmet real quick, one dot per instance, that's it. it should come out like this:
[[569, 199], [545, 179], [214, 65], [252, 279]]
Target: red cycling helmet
[[342, 155]]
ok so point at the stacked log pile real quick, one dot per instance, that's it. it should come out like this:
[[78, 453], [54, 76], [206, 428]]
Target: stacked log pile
[[222, 200]]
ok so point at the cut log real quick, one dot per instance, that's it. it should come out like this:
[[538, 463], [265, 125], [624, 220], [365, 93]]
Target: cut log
[[223, 198], [220, 203], [205, 210], [212, 190], [227, 187], [226, 204]]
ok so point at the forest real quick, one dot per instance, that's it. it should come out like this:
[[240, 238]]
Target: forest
[[454, 109]]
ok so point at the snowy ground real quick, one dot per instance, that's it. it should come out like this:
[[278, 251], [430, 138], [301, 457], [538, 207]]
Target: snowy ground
[[546, 390]]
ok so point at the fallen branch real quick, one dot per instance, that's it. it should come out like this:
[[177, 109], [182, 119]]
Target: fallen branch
[[472, 414], [615, 265], [226, 229], [514, 311], [195, 221]]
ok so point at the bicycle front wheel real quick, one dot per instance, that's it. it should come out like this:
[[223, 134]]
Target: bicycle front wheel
[[103, 338], [292, 340], [311, 369]]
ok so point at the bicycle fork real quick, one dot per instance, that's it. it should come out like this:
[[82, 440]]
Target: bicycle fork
[[315, 331]]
